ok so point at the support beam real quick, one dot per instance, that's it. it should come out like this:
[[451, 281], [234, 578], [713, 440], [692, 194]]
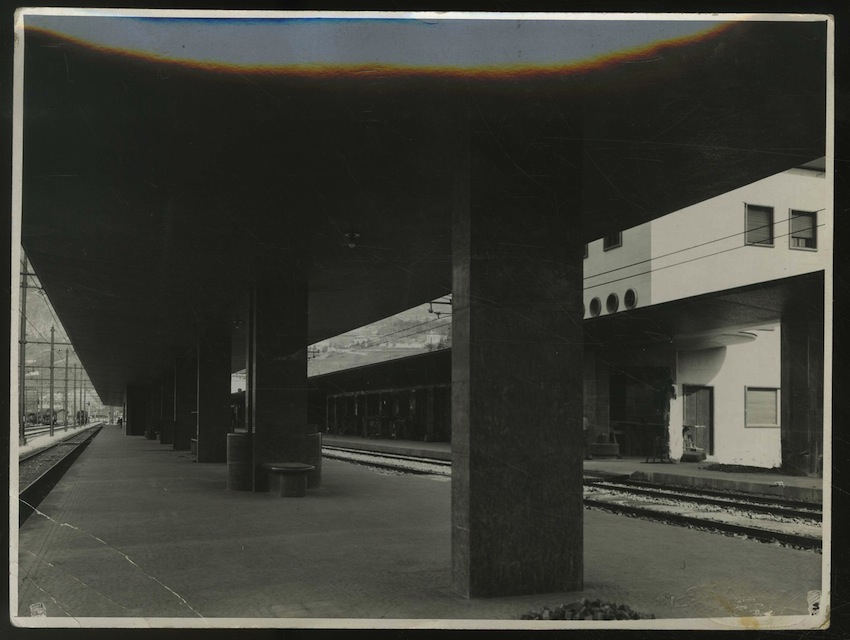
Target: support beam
[[517, 509], [185, 402], [166, 432], [135, 413], [153, 423], [277, 384], [213, 380], [801, 395]]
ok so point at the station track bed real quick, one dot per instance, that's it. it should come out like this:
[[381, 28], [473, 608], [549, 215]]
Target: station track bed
[[39, 471], [766, 519], [756, 504], [389, 461]]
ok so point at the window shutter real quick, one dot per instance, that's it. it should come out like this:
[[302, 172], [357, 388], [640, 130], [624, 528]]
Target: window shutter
[[761, 407], [803, 228], [759, 225]]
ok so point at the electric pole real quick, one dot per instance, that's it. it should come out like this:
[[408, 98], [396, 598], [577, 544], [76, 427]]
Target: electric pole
[[75, 394], [22, 342], [52, 362], [65, 395]]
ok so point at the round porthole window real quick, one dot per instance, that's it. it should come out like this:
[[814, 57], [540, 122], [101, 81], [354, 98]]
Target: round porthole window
[[595, 307], [612, 303], [630, 299]]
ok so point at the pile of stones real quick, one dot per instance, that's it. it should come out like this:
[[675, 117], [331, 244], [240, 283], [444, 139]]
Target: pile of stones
[[585, 609]]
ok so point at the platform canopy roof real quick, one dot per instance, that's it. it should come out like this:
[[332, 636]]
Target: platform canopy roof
[[168, 161]]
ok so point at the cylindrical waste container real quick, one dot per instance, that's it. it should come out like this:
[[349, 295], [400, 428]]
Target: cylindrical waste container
[[238, 461], [313, 451]]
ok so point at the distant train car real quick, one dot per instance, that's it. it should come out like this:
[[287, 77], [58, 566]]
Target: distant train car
[[405, 399]]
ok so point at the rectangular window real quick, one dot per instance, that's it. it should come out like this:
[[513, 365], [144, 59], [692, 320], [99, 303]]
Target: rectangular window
[[762, 407], [803, 230], [759, 225], [612, 241], [585, 250]]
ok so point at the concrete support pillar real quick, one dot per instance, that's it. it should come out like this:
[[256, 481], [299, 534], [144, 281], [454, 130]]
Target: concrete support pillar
[[590, 394], [213, 392], [801, 395], [154, 413], [429, 414], [603, 395], [135, 410], [166, 432], [185, 402], [277, 383], [517, 510]]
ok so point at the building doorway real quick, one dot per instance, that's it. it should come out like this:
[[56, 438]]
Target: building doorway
[[698, 422]]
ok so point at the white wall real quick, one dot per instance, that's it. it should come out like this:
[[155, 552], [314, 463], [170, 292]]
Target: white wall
[[617, 270], [728, 370], [682, 269]]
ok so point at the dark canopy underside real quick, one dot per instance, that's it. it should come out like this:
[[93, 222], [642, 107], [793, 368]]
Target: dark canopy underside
[[154, 192]]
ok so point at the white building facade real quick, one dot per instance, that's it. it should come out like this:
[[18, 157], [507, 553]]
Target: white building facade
[[695, 304]]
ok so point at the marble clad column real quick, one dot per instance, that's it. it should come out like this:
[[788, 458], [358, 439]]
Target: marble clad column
[[517, 510], [185, 402], [213, 380], [801, 395], [136, 409], [277, 385], [153, 423], [166, 432]]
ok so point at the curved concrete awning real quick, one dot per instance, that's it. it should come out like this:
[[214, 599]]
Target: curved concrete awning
[[155, 184]]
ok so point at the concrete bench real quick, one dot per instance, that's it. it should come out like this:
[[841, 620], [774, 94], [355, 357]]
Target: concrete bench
[[288, 479]]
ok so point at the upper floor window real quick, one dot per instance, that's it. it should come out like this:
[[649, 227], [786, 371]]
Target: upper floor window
[[803, 230], [585, 250], [759, 225], [612, 241]]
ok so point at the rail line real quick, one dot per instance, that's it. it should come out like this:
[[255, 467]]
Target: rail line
[[39, 471], [753, 498], [757, 504], [390, 461], [786, 522], [764, 534]]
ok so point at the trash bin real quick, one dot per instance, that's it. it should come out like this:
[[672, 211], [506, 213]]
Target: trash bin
[[239, 461], [313, 456]]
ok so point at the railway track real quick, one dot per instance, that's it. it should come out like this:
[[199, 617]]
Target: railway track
[[732, 516], [757, 504], [33, 431], [389, 461], [39, 471], [761, 518]]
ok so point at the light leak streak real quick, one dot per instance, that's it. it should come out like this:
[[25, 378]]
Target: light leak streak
[[645, 54]]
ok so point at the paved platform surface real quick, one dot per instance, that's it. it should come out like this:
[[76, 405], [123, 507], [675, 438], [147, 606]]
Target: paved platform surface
[[137, 530], [694, 474]]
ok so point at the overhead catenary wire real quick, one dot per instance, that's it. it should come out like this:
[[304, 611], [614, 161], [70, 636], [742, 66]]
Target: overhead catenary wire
[[696, 246], [676, 264]]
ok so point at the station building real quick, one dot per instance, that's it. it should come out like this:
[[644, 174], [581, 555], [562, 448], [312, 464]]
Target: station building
[[766, 241], [190, 217], [730, 382]]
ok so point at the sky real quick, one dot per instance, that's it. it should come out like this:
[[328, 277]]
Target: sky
[[398, 41]]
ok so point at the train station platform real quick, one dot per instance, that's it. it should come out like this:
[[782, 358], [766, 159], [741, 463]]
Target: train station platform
[[137, 534], [693, 474]]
